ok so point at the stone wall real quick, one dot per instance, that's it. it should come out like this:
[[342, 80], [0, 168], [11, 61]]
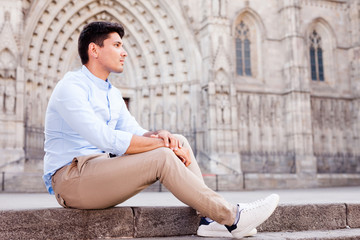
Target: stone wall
[[336, 140]]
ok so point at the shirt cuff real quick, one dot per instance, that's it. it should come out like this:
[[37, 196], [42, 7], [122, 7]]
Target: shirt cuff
[[122, 142], [141, 132]]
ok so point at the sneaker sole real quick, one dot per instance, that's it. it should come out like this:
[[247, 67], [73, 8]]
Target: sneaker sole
[[225, 233], [214, 234]]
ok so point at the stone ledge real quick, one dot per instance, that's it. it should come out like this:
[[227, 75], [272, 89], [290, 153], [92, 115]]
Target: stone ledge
[[59, 223], [123, 222], [270, 181], [353, 215], [266, 181], [169, 221], [130, 222], [338, 179], [306, 217]]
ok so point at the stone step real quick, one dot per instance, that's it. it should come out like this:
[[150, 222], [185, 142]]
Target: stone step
[[140, 222], [28, 182], [303, 217]]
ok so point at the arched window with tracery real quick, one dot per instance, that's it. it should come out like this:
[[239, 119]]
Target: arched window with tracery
[[316, 57], [243, 53]]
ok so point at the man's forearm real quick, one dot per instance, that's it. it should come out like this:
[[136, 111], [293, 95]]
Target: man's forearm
[[170, 141], [141, 144]]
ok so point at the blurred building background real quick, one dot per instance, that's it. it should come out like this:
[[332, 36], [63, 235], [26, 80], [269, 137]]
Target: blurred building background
[[267, 92]]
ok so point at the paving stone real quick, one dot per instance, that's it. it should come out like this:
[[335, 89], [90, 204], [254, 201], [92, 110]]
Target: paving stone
[[353, 215], [40, 224], [66, 223], [109, 222], [306, 217], [169, 221]]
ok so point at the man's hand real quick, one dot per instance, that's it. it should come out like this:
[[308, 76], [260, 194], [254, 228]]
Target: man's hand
[[184, 155], [169, 140]]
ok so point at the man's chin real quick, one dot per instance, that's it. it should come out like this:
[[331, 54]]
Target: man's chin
[[119, 70]]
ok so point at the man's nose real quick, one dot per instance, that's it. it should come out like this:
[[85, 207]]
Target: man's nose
[[124, 53]]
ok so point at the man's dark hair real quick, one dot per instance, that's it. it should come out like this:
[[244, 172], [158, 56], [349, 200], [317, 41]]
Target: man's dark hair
[[96, 32]]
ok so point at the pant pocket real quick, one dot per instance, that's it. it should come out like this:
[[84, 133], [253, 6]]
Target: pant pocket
[[82, 160], [60, 200]]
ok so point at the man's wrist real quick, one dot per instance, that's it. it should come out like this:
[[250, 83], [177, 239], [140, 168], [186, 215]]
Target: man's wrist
[[160, 142]]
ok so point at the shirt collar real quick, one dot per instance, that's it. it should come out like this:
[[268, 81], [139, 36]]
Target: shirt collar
[[97, 81]]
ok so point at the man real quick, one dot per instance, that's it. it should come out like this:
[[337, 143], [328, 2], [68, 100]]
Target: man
[[98, 156]]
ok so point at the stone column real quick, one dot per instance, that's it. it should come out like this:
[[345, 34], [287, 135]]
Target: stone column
[[354, 16], [298, 108], [221, 129], [12, 88]]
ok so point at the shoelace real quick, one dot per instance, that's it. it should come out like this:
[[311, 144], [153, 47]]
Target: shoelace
[[252, 205]]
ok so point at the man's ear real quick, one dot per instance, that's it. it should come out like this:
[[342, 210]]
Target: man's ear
[[93, 50]]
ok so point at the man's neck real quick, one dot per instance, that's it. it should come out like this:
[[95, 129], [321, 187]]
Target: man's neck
[[97, 71]]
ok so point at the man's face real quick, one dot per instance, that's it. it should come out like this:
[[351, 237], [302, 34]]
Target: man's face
[[111, 55]]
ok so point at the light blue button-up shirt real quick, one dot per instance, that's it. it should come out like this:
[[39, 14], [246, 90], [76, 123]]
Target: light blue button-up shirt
[[85, 115]]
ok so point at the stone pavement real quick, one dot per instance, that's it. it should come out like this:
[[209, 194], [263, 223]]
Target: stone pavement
[[306, 235], [17, 201]]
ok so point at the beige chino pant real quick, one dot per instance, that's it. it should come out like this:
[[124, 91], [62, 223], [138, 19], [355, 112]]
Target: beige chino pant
[[98, 181]]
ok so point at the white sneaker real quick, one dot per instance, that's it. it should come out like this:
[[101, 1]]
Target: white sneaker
[[253, 215], [214, 229]]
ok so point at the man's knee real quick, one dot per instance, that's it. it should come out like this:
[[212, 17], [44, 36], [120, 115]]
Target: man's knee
[[163, 153], [165, 158]]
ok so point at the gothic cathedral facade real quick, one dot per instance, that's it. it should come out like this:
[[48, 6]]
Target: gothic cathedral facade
[[267, 92]]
